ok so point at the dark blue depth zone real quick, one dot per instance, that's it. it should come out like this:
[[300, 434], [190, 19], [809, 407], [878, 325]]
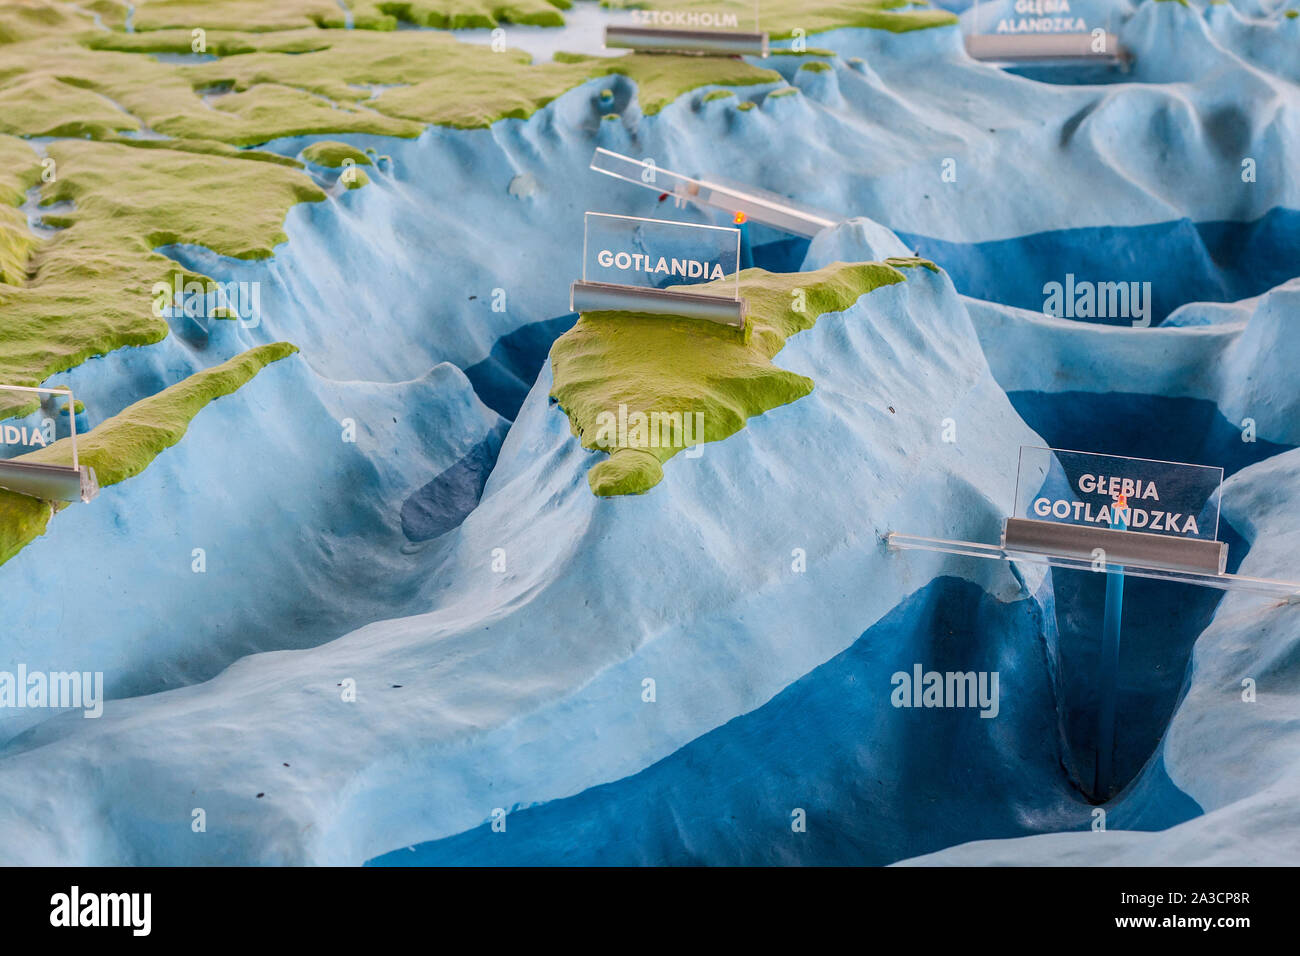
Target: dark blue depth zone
[[1183, 261], [876, 783]]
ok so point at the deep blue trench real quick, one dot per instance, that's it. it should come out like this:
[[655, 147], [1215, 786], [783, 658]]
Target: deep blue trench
[[879, 784], [875, 782], [1072, 74], [1162, 619]]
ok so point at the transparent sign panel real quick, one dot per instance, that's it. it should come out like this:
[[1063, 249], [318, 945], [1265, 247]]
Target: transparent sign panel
[[1033, 36], [658, 253], [1036, 17], [1125, 494], [738, 16], [738, 201], [55, 417]]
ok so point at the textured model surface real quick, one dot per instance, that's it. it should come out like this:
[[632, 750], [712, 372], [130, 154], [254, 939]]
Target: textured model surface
[[387, 569]]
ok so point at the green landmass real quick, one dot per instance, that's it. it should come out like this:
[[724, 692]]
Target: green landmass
[[466, 14], [85, 291], [785, 16], [282, 69], [16, 244], [669, 365], [19, 170], [88, 289], [141, 152], [263, 15], [125, 445], [309, 81], [816, 66]]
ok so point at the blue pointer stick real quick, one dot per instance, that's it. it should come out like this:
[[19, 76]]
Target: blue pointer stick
[[1108, 668]]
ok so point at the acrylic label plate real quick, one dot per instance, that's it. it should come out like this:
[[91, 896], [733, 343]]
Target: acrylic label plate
[[658, 253], [1109, 491]]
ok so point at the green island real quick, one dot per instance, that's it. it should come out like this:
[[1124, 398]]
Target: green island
[[123, 446], [679, 367], [331, 153]]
